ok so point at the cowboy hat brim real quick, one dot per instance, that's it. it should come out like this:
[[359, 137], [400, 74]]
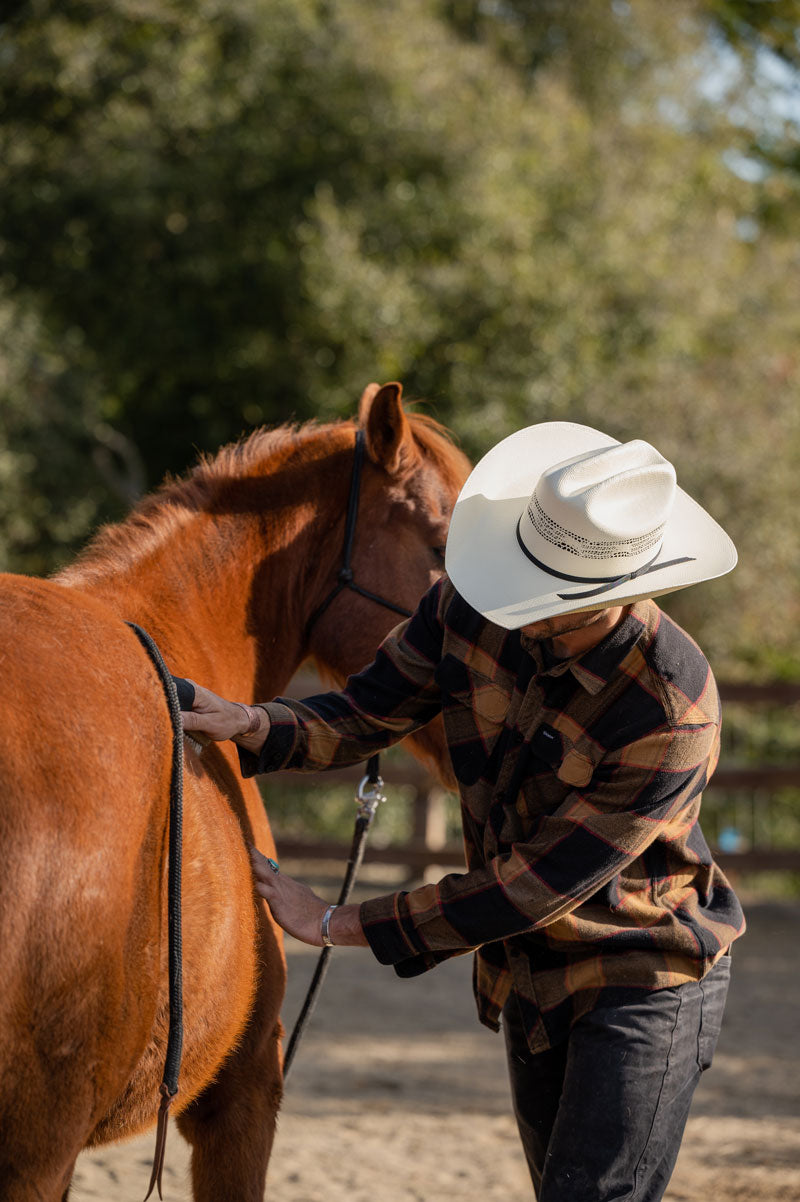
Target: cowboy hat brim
[[488, 568]]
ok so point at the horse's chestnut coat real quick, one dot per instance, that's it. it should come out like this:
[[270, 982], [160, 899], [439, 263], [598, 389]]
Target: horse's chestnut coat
[[223, 569]]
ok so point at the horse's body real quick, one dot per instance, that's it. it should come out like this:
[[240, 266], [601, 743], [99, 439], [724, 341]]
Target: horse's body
[[223, 569]]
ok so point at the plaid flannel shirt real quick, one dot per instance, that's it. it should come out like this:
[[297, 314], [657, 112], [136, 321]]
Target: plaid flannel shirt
[[580, 784]]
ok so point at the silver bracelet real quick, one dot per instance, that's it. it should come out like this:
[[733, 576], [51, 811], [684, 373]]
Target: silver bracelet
[[325, 930], [253, 717]]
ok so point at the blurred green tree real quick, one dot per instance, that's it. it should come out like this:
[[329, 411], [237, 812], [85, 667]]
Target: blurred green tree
[[215, 215]]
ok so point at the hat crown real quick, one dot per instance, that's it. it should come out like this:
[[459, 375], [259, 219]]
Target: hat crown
[[601, 513]]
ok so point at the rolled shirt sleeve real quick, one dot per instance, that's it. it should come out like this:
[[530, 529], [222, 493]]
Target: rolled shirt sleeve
[[392, 697], [646, 791]]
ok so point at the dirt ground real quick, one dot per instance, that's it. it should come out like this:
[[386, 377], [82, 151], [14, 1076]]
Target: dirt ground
[[399, 1095]]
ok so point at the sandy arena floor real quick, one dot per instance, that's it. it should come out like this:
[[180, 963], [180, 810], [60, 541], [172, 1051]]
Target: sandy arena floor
[[399, 1095]]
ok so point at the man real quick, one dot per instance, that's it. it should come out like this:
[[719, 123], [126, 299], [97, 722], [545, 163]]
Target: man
[[583, 725]]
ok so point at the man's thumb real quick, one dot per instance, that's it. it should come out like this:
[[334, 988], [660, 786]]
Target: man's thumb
[[185, 690]]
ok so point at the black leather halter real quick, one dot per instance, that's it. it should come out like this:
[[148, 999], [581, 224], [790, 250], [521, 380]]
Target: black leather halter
[[344, 577]]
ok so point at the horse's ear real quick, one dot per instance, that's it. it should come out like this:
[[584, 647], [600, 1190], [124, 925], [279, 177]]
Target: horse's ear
[[367, 397], [387, 430]]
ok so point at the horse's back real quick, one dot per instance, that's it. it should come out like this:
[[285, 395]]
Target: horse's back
[[83, 725], [84, 771]]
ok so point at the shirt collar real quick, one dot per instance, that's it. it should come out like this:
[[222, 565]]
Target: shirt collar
[[595, 667]]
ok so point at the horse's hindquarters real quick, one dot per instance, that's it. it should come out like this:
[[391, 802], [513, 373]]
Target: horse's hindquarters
[[83, 823], [82, 820]]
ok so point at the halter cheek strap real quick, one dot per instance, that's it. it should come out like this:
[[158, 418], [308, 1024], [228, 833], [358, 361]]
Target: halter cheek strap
[[345, 574], [606, 582]]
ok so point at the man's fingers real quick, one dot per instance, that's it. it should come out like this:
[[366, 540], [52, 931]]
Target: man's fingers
[[211, 715], [261, 870], [259, 860], [260, 866]]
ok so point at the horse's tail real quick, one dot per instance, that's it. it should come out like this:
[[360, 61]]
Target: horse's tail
[[83, 750]]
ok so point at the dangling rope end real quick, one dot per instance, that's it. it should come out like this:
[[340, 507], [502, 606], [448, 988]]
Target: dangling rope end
[[161, 1139]]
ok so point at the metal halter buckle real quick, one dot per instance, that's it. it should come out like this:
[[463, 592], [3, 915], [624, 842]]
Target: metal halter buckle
[[369, 795]]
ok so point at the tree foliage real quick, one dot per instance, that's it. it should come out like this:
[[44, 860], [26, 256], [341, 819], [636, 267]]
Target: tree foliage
[[219, 214]]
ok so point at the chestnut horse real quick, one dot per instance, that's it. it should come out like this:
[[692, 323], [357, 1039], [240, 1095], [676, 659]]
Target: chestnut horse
[[224, 569]]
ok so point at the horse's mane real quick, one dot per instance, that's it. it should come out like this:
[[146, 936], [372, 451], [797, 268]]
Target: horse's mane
[[263, 452]]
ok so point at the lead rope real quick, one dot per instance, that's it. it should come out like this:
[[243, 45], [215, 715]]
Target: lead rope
[[369, 795], [172, 1064]]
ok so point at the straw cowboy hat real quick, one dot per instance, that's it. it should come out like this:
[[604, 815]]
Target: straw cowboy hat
[[559, 518]]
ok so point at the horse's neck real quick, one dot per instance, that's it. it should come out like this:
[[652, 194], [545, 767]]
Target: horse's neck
[[219, 596]]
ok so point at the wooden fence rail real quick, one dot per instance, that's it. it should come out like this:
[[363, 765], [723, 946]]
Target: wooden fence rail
[[428, 845]]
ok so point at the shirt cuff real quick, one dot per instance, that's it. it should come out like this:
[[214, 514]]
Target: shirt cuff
[[278, 745], [389, 929], [386, 936]]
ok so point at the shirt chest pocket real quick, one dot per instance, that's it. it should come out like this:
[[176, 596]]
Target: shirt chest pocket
[[575, 769], [572, 764]]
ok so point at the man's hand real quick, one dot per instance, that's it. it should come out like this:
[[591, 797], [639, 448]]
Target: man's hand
[[219, 719], [299, 911], [294, 906]]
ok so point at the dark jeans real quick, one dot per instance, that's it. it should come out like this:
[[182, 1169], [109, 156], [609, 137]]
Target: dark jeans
[[602, 1114]]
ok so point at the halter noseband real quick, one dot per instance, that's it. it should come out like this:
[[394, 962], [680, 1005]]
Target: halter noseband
[[344, 576]]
